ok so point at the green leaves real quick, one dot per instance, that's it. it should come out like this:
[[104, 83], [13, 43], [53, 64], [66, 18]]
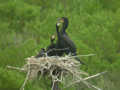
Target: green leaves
[[26, 26]]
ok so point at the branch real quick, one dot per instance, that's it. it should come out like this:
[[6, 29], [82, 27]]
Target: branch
[[16, 68], [90, 77], [26, 79], [96, 75]]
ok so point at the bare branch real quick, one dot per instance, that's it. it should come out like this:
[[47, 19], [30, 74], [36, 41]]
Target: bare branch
[[96, 75], [90, 77], [26, 79], [16, 68]]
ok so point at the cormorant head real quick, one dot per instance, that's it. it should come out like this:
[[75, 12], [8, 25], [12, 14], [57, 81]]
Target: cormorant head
[[52, 38], [62, 22]]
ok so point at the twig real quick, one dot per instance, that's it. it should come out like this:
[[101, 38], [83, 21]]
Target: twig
[[16, 68], [27, 77], [96, 75], [82, 55], [53, 83]]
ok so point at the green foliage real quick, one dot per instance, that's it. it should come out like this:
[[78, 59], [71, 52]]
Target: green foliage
[[8, 82], [26, 25]]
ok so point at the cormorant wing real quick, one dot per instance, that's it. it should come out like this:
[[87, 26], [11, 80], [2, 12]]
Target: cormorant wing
[[69, 42]]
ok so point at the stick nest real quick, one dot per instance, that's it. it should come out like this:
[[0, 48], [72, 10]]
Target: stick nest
[[57, 68]]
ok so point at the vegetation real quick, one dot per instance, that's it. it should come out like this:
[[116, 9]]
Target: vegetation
[[26, 25]]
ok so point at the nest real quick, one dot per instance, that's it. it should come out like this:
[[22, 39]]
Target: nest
[[58, 69]]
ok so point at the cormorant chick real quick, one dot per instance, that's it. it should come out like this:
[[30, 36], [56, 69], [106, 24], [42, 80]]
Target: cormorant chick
[[51, 48], [41, 53]]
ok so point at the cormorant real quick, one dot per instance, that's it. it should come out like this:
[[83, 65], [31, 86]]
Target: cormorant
[[64, 42], [50, 50], [41, 53]]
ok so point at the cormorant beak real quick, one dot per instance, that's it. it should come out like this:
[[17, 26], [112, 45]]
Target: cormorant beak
[[60, 21]]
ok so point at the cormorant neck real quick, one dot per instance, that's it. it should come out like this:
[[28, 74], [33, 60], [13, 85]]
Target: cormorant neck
[[63, 30], [58, 33], [52, 42]]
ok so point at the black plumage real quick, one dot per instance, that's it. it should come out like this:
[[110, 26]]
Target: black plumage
[[41, 53], [50, 50], [64, 42]]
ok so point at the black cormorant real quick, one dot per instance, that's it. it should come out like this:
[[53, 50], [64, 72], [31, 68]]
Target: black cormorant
[[64, 42]]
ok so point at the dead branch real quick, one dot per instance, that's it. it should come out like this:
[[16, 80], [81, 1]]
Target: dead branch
[[16, 68], [27, 77]]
